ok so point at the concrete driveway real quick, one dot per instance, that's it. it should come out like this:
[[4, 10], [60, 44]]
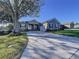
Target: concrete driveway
[[44, 45]]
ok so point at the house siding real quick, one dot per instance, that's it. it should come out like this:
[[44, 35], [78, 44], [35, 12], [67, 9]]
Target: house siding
[[45, 25], [34, 25], [30, 25], [52, 25], [76, 26]]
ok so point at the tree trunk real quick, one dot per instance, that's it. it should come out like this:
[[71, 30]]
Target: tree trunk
[[16, 28], [15, 16]]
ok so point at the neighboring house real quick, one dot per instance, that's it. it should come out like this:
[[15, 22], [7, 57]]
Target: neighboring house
[[30, 25], [76, 25], [69, 25], [72, 25], [35, 25], [63, 27], [52, 24]]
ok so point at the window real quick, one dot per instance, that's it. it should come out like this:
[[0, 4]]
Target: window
[[56, 25], [50, 25], [22, 24]]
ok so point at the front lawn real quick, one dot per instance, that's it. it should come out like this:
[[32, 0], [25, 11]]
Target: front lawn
[[73, 33], [11, 47]]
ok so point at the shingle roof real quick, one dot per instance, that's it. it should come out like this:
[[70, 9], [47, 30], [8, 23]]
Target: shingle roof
[[52, 20], [33, 21]]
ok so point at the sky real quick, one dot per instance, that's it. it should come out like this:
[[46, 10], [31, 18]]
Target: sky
[[63, 10]]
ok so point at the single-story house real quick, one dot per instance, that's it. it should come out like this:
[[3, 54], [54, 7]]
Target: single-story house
[[52, 24], [69, 25], [34, 25], [72, 25], [76, 25], [30, 25]]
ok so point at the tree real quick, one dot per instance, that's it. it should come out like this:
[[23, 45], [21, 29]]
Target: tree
[[72, 25], [19, 8]]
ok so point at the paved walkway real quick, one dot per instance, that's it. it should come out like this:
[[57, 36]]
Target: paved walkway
[[44, 45]]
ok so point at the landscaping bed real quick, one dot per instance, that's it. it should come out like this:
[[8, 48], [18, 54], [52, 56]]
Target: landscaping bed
[[11, 47], [73, 33]]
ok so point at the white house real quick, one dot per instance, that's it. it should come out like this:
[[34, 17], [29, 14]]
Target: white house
[[34, 25], [76, 26]]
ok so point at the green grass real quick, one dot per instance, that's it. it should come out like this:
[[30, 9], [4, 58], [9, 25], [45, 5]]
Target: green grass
[[12, 46], [73, 33]]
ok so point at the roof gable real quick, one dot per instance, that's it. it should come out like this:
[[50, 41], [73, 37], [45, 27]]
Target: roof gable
[[52, 21], [33, 22]]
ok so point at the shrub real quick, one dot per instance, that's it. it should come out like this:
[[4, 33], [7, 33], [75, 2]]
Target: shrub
[[6, 28]]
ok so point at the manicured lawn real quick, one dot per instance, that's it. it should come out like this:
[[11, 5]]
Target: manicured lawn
[[74, 33], [11, 47]]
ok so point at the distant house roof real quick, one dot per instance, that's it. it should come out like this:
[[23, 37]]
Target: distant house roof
[[69, 23], [33, 22], [23, 22], [30, 22], [66, 23], [52, 20], [36, 22]]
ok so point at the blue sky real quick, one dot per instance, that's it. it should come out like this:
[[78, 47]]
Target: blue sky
[[63, 10]]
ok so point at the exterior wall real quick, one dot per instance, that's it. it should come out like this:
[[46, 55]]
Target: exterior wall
[[67, 25], [70, 25], [45, 25], [58, 26], [34, 25], [23, 26], [31, 27], [76, 26], [51, 25]]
